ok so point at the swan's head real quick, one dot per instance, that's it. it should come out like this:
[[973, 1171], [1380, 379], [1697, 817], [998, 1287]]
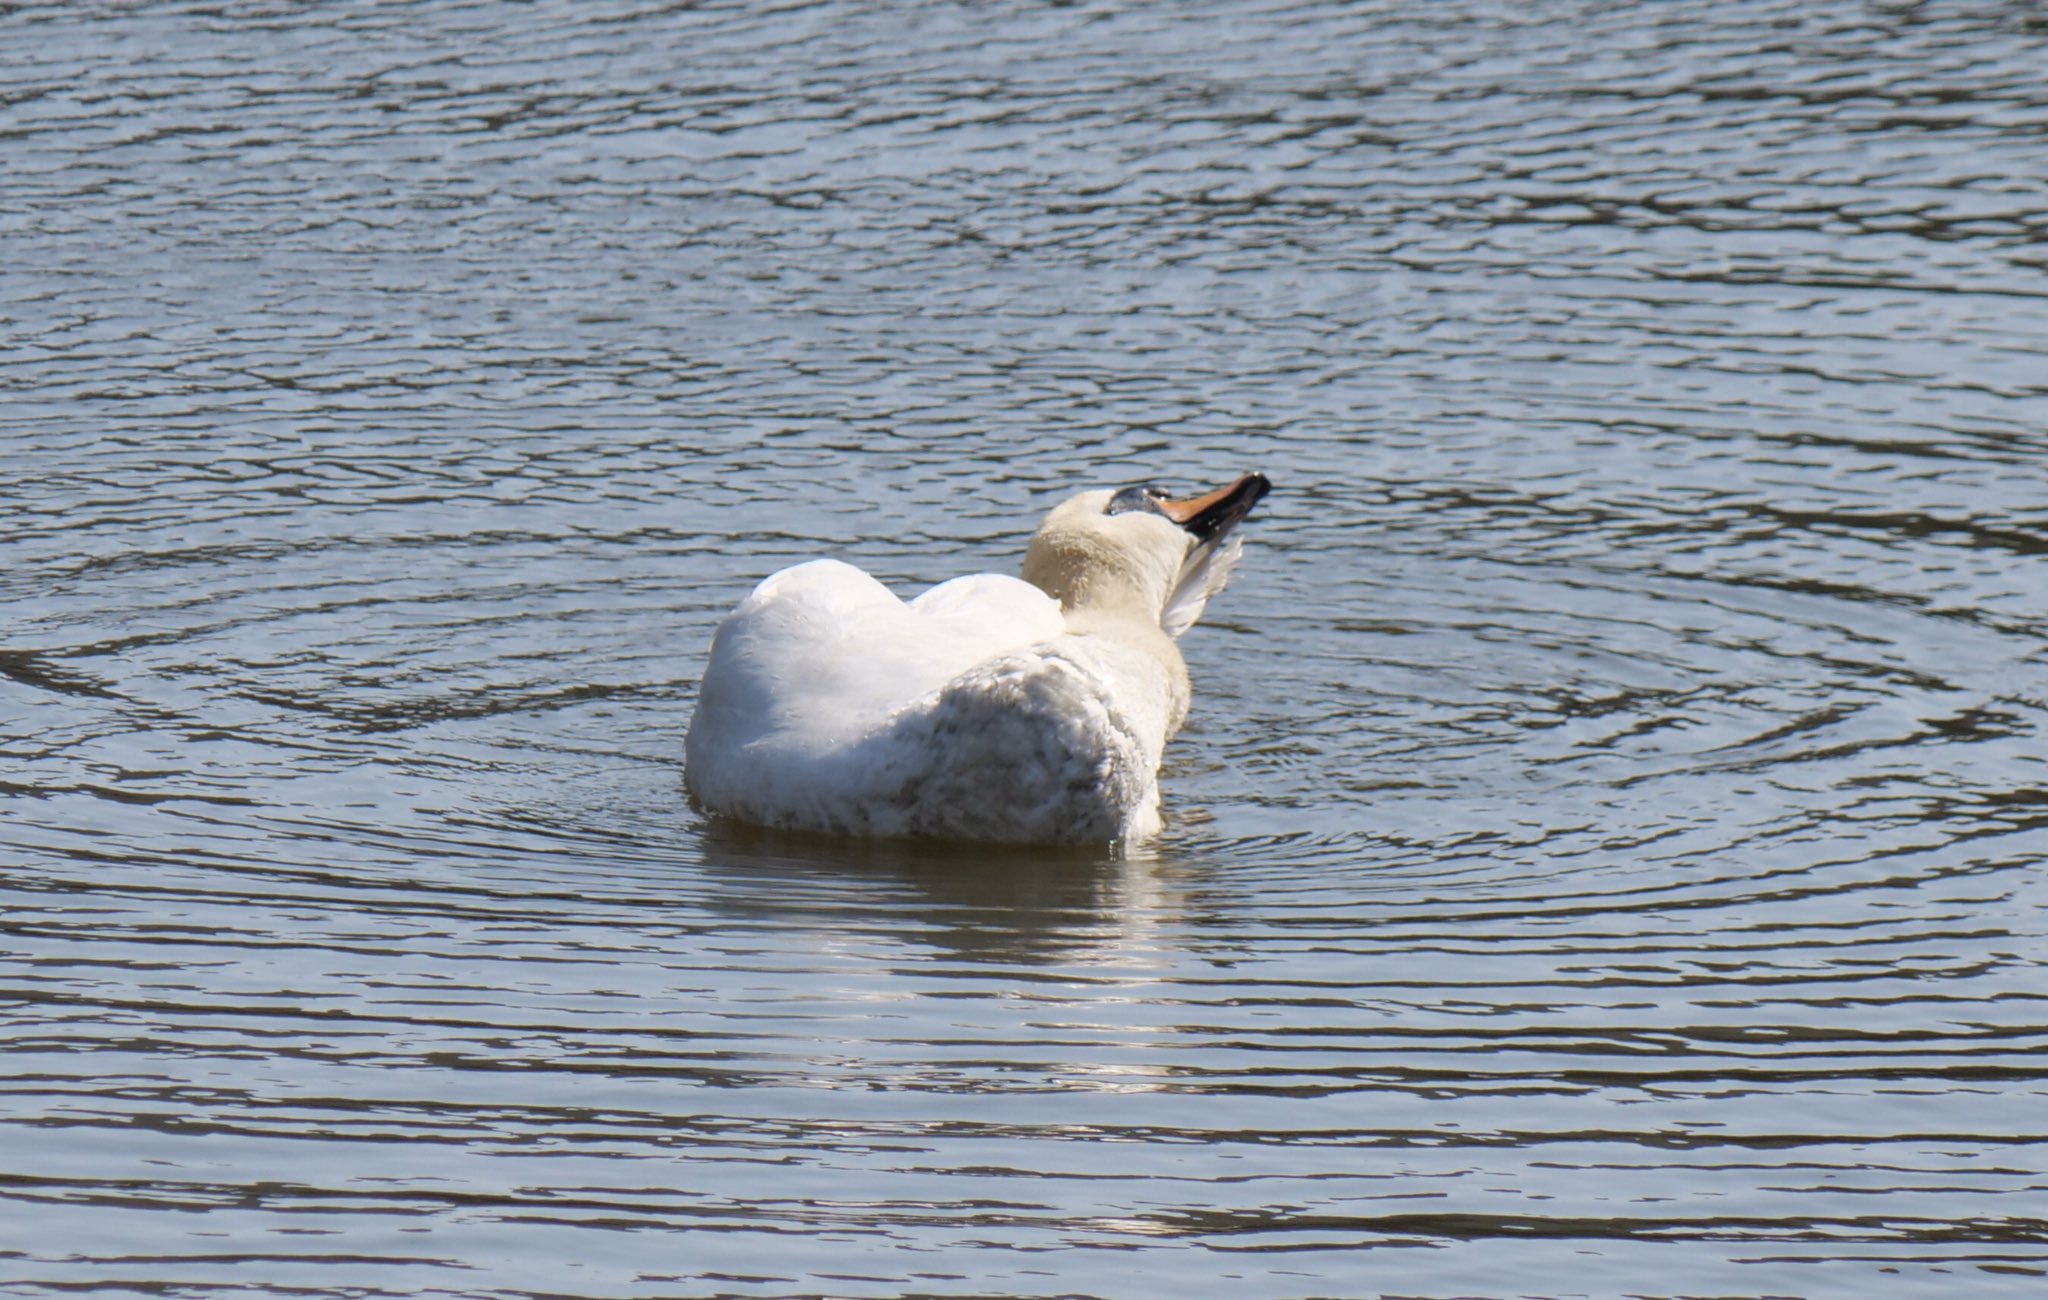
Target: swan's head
[[1140, 551]]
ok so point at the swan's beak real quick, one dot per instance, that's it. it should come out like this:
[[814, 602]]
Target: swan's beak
[[1213, 514]]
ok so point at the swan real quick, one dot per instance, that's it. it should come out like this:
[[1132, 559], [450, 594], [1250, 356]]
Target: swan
[[992, 708]]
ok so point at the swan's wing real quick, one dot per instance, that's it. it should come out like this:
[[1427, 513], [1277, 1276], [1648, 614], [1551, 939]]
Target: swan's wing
[[1032, 746], [823, 652], [1202, 575], [1008, 609], [820, 656]]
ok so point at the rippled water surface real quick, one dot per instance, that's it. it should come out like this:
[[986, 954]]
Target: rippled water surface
[[1606, 853]]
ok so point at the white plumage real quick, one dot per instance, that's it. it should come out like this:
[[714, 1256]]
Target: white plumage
[[988, 708]]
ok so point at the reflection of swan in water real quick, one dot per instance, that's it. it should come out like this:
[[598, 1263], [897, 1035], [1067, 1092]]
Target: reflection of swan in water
[[988, 708], [1007, 904]]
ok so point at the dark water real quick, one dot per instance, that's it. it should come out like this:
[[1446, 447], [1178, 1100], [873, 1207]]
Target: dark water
[[1606, 855]]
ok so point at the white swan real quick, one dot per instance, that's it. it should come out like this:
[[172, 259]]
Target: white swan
[[988, 708]]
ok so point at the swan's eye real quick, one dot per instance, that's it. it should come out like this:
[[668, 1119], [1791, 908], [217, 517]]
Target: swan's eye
[[1145, 498]]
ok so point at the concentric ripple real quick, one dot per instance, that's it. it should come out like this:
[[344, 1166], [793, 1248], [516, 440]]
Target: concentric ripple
[[1606, 857]]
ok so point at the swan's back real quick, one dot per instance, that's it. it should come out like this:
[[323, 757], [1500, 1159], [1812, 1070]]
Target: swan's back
[[830, 705], [821, 651]]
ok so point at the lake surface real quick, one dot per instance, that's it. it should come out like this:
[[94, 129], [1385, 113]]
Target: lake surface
[[1606, 854]]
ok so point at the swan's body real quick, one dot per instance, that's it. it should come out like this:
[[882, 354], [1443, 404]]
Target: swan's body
[[989, 708]]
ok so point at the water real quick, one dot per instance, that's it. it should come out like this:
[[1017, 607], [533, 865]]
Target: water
[[1605, 856]]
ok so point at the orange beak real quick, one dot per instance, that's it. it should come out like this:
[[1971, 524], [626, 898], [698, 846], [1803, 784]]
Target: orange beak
[[1214, 513]]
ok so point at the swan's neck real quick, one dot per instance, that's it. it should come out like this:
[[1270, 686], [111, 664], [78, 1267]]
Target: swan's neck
[[1146, 661], [1086, 568], [1112, 592]]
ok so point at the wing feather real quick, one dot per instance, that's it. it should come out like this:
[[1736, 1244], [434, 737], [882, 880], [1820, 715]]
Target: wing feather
[[1202, 575]]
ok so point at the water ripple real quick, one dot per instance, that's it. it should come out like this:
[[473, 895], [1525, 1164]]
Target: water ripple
[[1607, 843]]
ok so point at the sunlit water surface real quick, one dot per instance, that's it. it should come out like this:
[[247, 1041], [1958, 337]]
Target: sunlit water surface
[[1605, 855]]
